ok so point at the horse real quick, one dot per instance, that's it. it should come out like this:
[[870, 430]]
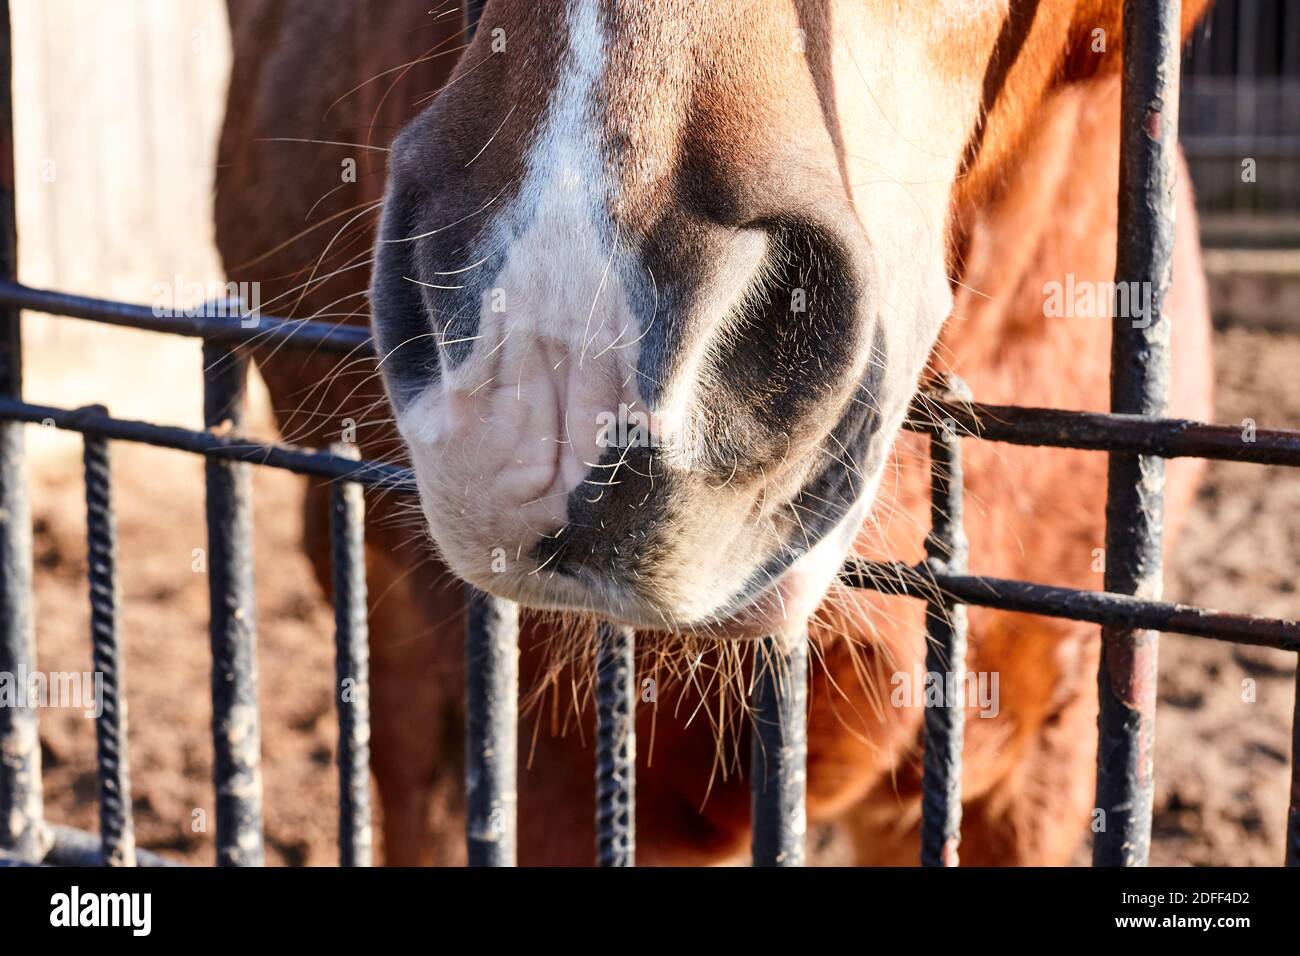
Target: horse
[[750, 230]]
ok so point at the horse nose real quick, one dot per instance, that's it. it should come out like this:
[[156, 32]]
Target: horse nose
[[720, 327], [518, 421]]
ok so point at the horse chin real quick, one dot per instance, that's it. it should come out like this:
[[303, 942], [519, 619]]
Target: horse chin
[[779, 608], [784, 605]]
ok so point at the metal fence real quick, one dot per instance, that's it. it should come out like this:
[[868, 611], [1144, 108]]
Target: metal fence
[[1134, 434], [1241, 100]]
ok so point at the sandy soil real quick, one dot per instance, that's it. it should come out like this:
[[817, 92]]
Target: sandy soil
[[164, 624], [1222, 760], [1223, 730]]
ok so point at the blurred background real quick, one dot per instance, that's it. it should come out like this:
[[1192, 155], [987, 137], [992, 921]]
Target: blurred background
[[117, 108]]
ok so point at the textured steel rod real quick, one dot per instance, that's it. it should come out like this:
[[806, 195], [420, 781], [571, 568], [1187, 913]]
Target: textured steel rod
[[210, 323], [112, 762], [491, 727], [21, 825], [22, 830], [351, 665], [1090, 431], [236, 735], [1139, 382], [1105, 431], [1075, 604], [945, 656], [1100, 431], [1293, 814], [1059, 428], [89, 421], [1097, 607], [72, 847], [615, 746], [778, 753]]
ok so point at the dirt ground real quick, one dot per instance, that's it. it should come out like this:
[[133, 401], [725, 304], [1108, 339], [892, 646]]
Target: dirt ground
[[1223, 744], [1223, 728], [164, 626]]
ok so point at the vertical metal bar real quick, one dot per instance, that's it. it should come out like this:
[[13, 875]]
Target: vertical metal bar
[[615, 746], [1288, 28], [1293, 816], [945, 655], [236, 734], [116, 829], [351, 665], [1245, 93], [22, 830], [491, 727], [778, 755], [1139, 383]]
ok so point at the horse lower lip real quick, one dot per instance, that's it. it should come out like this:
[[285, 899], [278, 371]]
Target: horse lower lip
[[762, 613], [583, 584]]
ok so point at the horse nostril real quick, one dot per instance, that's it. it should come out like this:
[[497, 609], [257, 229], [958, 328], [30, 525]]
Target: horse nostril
[[611, 539], [791, 340]]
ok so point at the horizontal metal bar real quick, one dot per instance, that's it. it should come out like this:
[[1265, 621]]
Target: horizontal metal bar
[[1089, 431], [1238, 147], [1098, 607], [301, 461], [1095, 431], [1194, 621], [228, 329], [1104, 431], [73, 847]]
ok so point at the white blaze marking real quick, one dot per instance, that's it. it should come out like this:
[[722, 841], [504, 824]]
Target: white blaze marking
[[561, 274], [556, 339]]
